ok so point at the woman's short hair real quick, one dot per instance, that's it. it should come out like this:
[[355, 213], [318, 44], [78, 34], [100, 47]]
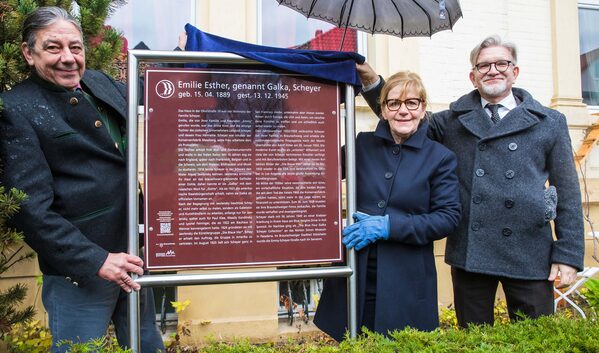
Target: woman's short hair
[[407, 80], [41, 18]]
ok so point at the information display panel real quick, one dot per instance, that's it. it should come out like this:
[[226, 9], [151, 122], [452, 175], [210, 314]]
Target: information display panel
[[242, 169]]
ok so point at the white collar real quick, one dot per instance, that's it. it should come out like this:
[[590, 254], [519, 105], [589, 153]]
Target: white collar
[[508, 102]]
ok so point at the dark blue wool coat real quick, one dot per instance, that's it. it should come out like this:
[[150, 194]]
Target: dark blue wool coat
[[74, 176], [416, 185]]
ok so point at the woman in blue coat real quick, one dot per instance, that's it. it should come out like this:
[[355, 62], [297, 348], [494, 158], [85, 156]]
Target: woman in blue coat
[[407, 197]]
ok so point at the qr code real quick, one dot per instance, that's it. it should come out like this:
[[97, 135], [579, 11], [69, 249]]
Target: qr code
[[165, 228]]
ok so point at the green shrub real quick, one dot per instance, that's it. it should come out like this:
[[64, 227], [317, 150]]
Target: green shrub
[[555, 334], [591, 293], [29, 337], [100, 345]]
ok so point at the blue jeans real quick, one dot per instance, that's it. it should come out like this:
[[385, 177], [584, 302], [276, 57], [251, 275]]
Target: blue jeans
[[81, 314]]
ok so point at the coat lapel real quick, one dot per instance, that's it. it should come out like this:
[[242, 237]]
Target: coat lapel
[[474, 123], [97, 84], [516, 120], [471, 114], [474, 118]]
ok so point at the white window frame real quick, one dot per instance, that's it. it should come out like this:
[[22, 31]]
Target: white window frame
[[190, 10], [591, 5]]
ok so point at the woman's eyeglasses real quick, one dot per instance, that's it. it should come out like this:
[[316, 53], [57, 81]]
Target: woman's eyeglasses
[[395, 104]]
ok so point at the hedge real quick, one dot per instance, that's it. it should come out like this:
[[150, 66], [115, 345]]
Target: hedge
[[554, 334]]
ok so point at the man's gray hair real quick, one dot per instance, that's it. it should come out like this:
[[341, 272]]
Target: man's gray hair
[[493, 41], [41, 18]]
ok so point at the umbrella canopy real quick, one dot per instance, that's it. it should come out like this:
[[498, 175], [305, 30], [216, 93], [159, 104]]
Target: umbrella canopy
[[402, 18]]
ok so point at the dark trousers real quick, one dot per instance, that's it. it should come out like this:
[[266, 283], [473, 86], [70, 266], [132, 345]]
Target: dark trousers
[[474, 297]]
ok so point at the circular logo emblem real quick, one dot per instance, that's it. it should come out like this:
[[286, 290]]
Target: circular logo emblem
[[165, 89]]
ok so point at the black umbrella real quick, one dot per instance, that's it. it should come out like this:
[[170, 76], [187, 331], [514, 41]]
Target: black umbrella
[[402, 18]]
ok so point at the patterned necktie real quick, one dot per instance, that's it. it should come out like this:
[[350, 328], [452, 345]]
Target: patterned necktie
[[494, 112]]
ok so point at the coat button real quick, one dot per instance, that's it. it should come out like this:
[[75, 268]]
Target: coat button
[[116, 144], [512, 146], [388, 175], [506, 232], [381, 204], [480, 172], [510, 174], [482, 147], [98, 123], [395, 150], [509, 203], [475, 226], [74, 101], [477, 199], [76, 284], [68, 279]]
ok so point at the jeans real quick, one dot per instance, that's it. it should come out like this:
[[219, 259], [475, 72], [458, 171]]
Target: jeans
[[81, 314]]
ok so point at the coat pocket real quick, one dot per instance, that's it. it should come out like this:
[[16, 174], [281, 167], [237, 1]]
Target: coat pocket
[[91, 215], [64, 134], [550, 197]]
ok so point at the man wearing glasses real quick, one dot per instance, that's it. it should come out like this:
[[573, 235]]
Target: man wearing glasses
[[517, 174]]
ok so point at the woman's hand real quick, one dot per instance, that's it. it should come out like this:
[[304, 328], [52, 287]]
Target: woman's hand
[[367, 230]]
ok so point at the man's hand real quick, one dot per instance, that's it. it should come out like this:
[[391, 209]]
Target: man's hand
[[116, 268], [367, 74], [567, 274]]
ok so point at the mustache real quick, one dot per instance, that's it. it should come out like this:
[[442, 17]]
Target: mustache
[[68, 68]]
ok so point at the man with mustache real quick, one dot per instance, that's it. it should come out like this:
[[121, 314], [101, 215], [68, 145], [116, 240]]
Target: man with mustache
[[509, 147], [63, 142]]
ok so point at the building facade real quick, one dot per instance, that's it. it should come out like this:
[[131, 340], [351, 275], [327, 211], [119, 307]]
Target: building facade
[[559, 65]]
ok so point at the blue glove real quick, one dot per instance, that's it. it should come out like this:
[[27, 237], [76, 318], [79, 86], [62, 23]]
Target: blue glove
[[367, 229]]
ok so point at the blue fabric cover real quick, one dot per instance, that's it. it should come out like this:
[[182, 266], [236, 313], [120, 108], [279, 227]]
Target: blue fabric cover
[[330, 65]]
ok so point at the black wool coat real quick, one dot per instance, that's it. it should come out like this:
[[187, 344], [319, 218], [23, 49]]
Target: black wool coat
[[53, 147]]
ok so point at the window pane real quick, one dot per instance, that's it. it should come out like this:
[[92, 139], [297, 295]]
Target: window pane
[[285, 28], [153, 23], [301, 296], [589, 57]]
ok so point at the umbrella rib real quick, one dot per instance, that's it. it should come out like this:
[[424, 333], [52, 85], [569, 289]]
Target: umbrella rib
[[312, 7], [449, 18], [351, 6], [341, 13], [430, 22], [400, 17], [373, 17]]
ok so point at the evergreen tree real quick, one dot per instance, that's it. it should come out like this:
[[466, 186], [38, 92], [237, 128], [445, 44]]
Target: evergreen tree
[[11, 253], [103, 47]]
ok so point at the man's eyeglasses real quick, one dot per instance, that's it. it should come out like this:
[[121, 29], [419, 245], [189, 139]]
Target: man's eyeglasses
[[395, 104], [500, 66]]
